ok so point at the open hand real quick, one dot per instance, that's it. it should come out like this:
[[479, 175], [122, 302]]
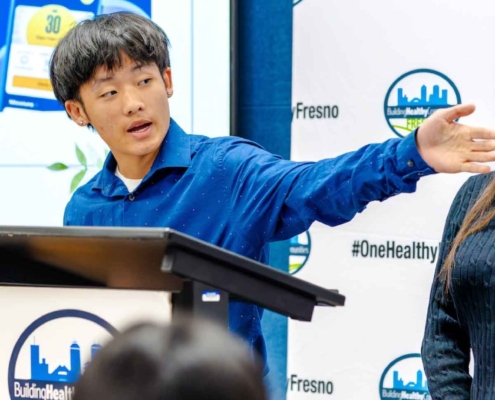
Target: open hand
[[447, 146]]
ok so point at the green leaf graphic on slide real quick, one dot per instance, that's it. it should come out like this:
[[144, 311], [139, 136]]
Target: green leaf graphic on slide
[[77, 180], [58, 166], [81, 157], [95, 160]]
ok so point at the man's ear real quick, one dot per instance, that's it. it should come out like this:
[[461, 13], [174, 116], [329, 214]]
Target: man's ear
[[76, 111], [167, 78]]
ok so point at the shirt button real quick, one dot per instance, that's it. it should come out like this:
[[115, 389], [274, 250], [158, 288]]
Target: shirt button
[[410, 163], [131, 197]]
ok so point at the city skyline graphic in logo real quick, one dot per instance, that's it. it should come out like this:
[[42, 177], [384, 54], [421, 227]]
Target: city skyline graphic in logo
[[52, 353], [40, 369], [299, 251], [414, 96], [404, 378]]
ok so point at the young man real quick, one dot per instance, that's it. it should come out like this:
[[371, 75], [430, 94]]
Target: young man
[[113, 73]]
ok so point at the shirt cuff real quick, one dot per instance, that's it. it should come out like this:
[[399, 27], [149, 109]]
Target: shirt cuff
[[410, 164]]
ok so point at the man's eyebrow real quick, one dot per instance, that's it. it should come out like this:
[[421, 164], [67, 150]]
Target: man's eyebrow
[[140, 67], [108, 78], [99, 81]]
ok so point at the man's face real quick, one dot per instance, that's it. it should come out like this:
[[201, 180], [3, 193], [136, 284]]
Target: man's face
[[129, 109]]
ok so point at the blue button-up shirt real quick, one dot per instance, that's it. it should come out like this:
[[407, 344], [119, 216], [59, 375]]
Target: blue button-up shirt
[[230, 192]]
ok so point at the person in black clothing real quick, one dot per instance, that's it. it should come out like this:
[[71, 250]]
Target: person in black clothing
[[461, 314]]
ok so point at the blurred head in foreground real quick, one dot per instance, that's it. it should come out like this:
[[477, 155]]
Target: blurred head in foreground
[[182, 361]]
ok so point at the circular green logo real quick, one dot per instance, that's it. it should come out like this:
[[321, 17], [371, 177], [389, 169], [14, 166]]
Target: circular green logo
[[300, 248]]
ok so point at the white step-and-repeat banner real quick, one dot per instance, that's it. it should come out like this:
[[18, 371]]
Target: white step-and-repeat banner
[[364, 72]]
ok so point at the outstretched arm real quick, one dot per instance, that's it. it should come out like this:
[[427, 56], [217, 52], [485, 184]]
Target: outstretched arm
[[275, 199]]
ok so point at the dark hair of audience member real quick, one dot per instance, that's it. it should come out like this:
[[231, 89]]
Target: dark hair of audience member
[[181, 361]]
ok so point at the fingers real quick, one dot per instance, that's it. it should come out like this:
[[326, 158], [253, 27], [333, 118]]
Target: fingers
[[475, 168], [482, 156], [488, 145], [481, 133], [452, 113]]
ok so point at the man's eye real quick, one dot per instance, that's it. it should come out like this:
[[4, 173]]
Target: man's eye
[[145, 81], [109, 94]]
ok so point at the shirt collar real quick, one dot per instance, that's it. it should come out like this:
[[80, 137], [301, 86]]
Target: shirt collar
[[175, 152]]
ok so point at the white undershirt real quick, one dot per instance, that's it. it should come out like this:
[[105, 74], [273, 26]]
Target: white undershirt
[[131, 184]]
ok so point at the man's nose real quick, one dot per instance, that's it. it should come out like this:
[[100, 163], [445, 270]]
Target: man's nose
[[133, 103]]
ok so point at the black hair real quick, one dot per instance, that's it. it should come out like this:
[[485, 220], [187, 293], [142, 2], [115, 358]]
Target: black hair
[[181, 361], [101, 41]]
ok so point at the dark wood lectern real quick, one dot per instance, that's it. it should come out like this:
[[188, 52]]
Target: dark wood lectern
[[202, 277]]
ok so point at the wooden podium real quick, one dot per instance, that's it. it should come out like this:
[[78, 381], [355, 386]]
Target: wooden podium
[[202, 277]]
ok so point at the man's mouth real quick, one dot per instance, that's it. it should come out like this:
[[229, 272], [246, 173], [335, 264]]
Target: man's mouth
[[139, 128]]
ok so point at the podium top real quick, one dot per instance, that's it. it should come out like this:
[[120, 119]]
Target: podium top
[[154, 259]]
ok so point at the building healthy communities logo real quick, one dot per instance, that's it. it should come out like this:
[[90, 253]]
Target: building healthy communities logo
[[404, 378], [299, 251], [52, 352], [416, 95]]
